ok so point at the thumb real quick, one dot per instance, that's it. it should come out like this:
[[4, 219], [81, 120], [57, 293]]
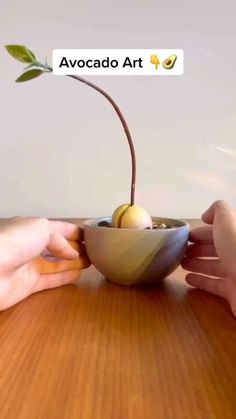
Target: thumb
[[55, 280]]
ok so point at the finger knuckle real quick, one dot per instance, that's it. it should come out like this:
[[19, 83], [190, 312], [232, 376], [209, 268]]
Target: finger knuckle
[[220, 203], [43, 221], [42, 224]]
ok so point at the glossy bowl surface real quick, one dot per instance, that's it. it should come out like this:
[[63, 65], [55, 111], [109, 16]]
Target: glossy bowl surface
[[128, 256]]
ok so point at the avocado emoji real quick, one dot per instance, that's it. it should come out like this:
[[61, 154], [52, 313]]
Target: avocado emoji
[[169, 62]]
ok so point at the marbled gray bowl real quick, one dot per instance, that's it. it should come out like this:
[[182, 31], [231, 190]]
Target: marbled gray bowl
[[137, 256]]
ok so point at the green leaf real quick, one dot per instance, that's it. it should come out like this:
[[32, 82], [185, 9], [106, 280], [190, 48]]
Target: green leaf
[[21, 53], [29, 75]]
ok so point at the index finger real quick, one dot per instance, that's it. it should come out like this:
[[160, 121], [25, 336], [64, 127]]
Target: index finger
[[217, 208], [201, 234], [68, 230]]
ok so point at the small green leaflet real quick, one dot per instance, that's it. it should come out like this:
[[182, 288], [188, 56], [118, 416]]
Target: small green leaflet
[[21, 53], [29, 75]]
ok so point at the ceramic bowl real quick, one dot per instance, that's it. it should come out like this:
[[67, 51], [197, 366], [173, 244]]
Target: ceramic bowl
[[137, 256]]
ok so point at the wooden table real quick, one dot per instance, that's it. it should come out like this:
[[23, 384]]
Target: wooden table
[[100, 351]]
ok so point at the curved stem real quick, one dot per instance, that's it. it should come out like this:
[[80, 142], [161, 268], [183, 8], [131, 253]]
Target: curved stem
[[124, 124]]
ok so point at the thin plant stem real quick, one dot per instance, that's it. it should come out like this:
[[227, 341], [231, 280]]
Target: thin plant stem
[[124, 124]]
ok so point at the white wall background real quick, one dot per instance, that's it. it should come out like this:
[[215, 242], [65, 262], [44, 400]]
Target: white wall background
[[62, 150]]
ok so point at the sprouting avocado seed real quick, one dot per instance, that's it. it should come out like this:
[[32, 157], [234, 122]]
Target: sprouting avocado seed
[[131, 216], [118, 214]]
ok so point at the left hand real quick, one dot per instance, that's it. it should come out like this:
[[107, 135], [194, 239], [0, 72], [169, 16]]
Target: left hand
[[26, 247]]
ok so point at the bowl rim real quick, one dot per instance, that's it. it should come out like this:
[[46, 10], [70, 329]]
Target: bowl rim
[[88, 223]]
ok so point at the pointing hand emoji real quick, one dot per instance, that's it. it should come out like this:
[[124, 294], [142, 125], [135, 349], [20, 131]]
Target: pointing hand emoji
[[154, 60]]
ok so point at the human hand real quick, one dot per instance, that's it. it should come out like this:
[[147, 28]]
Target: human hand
[[38, 254], [212, 256]]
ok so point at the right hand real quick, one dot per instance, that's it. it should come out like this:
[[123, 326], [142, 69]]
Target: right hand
[[217, 243]]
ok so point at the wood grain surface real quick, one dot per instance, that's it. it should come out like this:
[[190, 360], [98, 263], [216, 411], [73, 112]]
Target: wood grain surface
[[96, 350]]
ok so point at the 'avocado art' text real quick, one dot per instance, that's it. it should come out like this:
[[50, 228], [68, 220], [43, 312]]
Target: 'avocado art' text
[[106, 63]]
